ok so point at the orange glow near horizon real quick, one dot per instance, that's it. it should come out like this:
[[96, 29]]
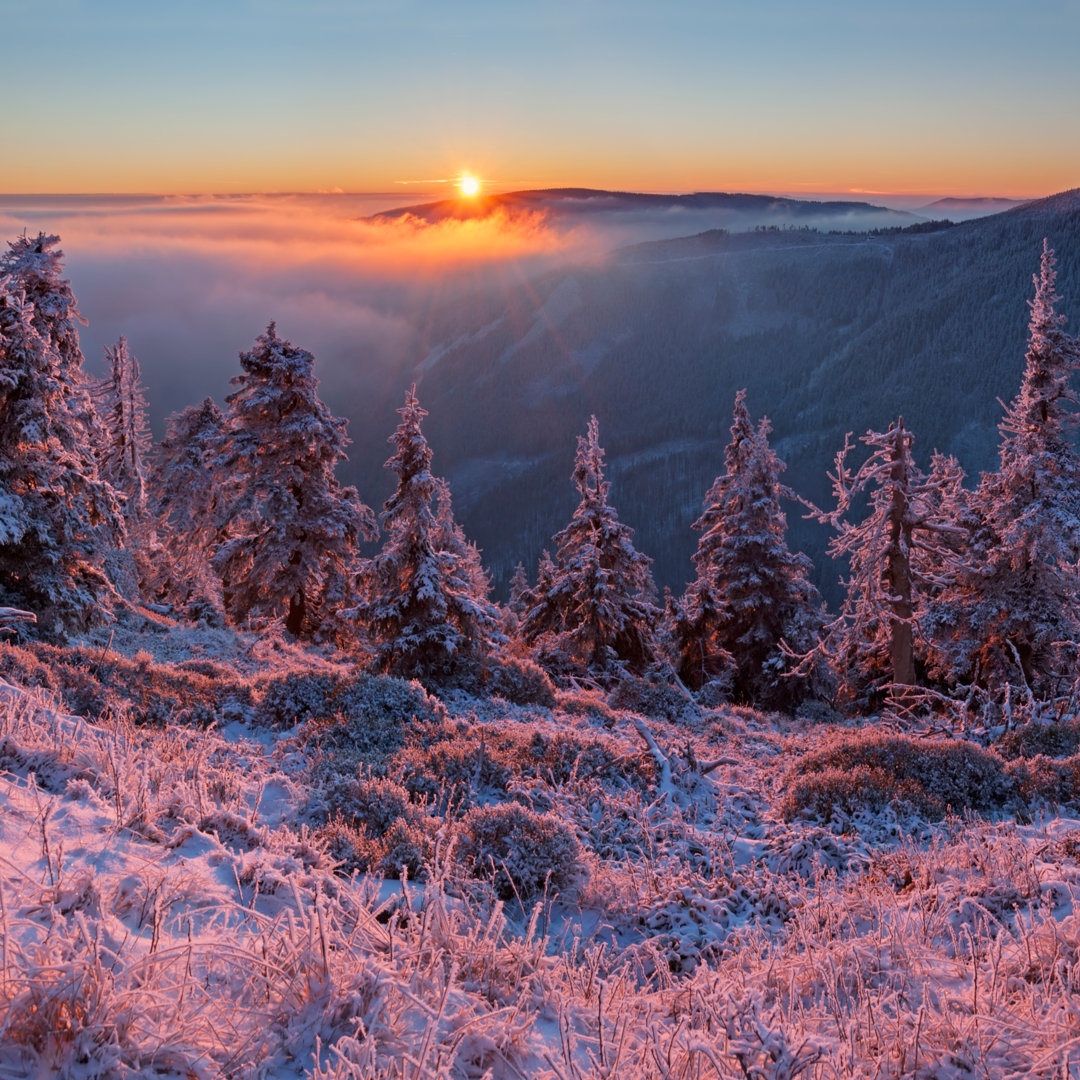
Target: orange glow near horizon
[[900, 171]]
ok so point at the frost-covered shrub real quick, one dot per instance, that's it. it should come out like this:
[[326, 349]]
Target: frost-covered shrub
[[560, 755], [296, 697], [1056, 740], [369, 716], [846, 792], [93, 682], [687, 925], [650, 698], [381, 700], [470, 758], [716, 692], [1046, 778], [867, 770], [462, 761], [589, 703], [518, 680], [377, 700], [520, 851], [373, 802], [407, 844]]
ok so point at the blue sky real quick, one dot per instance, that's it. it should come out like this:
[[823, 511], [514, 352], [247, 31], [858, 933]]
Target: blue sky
[[261, 95]]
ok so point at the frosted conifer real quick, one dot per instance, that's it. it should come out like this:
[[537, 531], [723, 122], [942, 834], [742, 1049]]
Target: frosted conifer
[[896, 555], [425, 598], [36, 263], [519, 586], [1011, 612], [290, 530], [750, 592], [594, 603], [185, 504], [125, 436], [60, 525], [450, 537]]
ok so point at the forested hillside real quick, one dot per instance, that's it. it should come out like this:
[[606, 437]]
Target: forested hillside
[[827, 332]]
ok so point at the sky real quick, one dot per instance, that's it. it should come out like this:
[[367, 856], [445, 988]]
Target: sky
[[950, 97]]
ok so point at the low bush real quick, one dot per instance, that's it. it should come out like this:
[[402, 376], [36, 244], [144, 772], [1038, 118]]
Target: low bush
[[835, 793], [650, 698], [92, 682], [291, 699], [588, 703], [868, 770], [519, 681], [473, 757], [1056, 740], [407, 845], [521, 852], [378, 702], [373, 802], [1046, 778]]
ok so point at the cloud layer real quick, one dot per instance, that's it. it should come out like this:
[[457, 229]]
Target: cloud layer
[[192, 280]]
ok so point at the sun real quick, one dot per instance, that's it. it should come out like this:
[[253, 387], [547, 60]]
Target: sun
[[469, 186]]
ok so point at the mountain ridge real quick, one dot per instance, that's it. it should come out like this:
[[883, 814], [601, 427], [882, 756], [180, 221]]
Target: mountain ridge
[[576, 201]]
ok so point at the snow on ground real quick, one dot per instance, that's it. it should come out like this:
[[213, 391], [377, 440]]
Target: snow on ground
[[171, 905]]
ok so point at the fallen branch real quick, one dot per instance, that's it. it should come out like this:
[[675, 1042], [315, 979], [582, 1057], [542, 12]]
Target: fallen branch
[[663, 762]]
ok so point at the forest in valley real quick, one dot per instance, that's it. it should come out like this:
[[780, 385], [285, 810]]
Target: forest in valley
[[286, 792]]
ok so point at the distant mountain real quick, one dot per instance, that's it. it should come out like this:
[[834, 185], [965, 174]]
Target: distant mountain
[[829, 333], [679, 214], [964, 209]]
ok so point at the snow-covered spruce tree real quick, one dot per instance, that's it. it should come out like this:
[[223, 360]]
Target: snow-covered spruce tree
[[124, 435], [898, 556], [60, 524], [1011, 612], [750, 592], [514, 609], [36, 263], [450, 537], [594, 603], [184, 503], [123, 446], [290, 530], [425, 594]]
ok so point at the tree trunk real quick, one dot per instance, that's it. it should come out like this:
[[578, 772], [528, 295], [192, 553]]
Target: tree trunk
[[294, 621], [898, 572]]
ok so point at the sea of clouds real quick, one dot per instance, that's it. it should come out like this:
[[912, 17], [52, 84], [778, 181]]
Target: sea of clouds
[[191, 280]]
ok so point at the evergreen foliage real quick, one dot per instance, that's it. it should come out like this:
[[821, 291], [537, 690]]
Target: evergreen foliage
[[896, 555], [425, 593], [185, 503], [290, 530], [750, 593], [594, 603], [60, 524], [125, 435], [1011, 612], [123, 446]]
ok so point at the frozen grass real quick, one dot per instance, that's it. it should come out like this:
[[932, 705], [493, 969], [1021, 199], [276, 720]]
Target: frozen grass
[[603, 894]]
